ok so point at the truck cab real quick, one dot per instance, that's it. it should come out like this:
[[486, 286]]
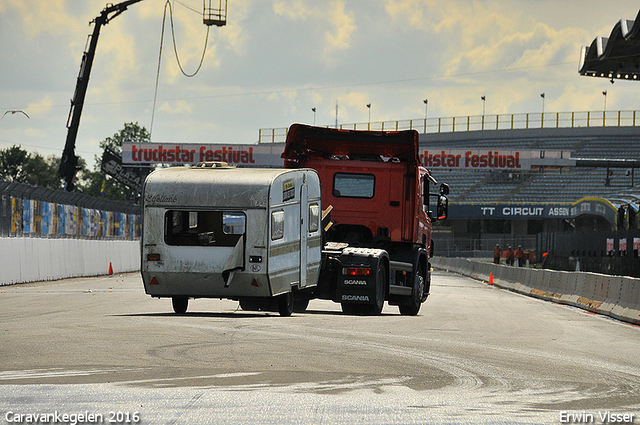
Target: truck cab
[[379, 196]]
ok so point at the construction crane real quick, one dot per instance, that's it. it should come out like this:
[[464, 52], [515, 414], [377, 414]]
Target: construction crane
[[69, 160], [212, 15]]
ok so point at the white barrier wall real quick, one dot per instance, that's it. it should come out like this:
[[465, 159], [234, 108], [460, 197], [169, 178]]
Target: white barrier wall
[[614, 296], [35, 259]]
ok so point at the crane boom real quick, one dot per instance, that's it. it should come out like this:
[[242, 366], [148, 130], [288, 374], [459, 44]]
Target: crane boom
[[69, 160]]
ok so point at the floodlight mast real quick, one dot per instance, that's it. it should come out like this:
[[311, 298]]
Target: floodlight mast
[[69, 160]]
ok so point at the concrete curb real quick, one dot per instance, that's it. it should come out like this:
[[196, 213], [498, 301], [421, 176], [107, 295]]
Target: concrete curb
[[36, 259], [614, 296]]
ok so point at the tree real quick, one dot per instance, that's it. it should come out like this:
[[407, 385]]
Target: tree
[[12, 163], [100, 184], [19, 166], [42, 171], [132, 132]]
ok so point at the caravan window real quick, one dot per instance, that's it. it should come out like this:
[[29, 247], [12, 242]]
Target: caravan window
[[277, 225], [203, 228], [314, 218]]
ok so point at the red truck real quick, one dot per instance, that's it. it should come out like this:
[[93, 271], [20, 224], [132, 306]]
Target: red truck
[[377, 216]]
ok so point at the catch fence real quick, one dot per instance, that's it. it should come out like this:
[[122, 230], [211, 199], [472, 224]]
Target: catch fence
[[31, 211]]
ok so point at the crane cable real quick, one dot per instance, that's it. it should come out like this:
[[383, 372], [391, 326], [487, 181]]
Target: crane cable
[[175, 49]]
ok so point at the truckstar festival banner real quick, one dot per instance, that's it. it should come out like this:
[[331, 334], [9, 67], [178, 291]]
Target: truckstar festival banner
[[434, 158], [265, 155], [268, 155]]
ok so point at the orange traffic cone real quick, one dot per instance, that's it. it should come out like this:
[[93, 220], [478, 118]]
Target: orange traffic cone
[[491, 278], [110, 269]]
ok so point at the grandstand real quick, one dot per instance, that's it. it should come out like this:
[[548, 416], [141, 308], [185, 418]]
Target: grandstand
[[484, 203], [552, 192]]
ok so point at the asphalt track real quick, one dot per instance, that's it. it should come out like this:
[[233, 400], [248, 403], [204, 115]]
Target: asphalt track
[[475, 355]]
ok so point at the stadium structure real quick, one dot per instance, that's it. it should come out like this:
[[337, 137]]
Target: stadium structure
[[577, 181]]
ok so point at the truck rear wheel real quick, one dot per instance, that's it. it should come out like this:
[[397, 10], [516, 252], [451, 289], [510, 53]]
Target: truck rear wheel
[[285, 304], [381, 289], [180, 304], [411, 307]]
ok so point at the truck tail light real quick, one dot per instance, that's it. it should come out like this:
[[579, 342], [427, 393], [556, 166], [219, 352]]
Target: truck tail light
[[153, 257], [356, 271]]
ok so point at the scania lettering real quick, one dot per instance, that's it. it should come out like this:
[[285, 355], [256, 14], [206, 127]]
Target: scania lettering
[[355, 282], [364, 298]]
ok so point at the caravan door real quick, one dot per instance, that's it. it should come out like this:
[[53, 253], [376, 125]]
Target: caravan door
[[304, 233]]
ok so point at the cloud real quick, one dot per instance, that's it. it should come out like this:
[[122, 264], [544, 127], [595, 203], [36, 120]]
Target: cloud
[[294, 10], [484, 35], [339, 38], [41, 107], [336, 22], [178, 107], [39, 17]]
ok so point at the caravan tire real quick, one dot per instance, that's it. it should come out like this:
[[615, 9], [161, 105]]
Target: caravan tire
[[180, 304], [285, 304], [300, 304]]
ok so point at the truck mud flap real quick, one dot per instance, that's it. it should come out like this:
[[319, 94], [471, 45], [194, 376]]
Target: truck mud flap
[[356, 282]]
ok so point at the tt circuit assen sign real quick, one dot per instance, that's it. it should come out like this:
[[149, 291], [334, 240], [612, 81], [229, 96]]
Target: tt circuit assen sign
[[584, 206], [434, 158], [266, 155]]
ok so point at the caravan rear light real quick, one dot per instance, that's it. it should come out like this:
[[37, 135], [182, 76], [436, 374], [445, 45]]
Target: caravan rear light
[[153, 257], [356, 271], [154, 281]]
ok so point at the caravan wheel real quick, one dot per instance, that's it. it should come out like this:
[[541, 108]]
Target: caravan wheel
[[285, 304], [180, 304]]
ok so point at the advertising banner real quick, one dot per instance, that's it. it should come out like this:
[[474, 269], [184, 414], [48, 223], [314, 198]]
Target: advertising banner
[[609, 245], [622, 244], [129, 176], [487, 158], [193, 153], [585, 206]]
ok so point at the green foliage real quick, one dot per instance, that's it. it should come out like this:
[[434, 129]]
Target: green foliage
[[99, 183], [18, 165], [132, 132], [12, 163]]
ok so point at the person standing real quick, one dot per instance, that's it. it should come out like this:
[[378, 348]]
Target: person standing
[[519, 256], [497, 254], [510, 255]]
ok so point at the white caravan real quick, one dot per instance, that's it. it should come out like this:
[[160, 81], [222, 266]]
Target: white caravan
[[215, 231]]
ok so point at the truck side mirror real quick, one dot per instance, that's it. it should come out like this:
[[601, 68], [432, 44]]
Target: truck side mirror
[[444, 189], [443, 207]]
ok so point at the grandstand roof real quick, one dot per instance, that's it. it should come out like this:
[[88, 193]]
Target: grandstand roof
[[616, 56]]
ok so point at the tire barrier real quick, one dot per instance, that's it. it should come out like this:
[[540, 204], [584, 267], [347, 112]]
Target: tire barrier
[[614, 296], [36, 259]]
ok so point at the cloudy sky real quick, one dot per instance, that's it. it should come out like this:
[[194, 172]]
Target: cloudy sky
[[276, 59]]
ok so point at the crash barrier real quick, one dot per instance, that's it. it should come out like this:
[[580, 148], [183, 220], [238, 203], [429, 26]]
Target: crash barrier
[[36, 259], [614, 296], [33, 211]]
